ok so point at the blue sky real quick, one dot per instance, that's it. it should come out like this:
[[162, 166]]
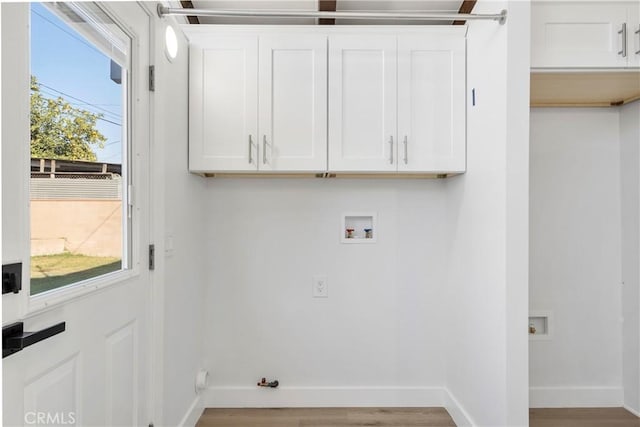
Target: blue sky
[[67, 65]]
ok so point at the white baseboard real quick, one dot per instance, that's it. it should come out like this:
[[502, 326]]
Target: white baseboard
[[633, 411], [460, 416], [575, 397], [193, 413], [296, 397]]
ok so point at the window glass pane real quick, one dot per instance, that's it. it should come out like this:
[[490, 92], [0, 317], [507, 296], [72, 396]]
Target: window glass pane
[[79, 62]]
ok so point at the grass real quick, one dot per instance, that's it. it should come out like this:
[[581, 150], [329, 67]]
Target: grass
[[54, 271]]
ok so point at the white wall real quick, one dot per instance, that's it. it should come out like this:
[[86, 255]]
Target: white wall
[[433, 314], [376, 340], [180, 276], [630, 195], [576, 257], [486, 352], [517, 215]]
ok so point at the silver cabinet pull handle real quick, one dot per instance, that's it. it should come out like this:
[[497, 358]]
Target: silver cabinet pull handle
[[250, 150], [638, 33], [406, 152], [391, 149], [623, 33], [264, 149]]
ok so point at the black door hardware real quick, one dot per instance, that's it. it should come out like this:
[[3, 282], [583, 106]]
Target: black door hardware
[[11, 278], [14, 338]]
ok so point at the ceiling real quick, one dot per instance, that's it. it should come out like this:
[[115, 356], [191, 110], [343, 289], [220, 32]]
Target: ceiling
[[448, 6]]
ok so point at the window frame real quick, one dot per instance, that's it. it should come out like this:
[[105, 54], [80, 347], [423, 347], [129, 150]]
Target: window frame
[[131, 231]]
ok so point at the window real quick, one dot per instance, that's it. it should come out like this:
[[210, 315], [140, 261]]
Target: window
[[79, 150]]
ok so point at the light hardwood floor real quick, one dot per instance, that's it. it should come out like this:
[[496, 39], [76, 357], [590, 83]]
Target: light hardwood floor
[[403, 417], [326, 417], [582, 417]]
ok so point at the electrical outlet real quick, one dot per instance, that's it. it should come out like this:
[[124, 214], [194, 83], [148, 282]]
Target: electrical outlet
[[320, 287]]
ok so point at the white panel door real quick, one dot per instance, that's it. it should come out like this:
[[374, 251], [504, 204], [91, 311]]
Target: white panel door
[[633, 19], [96, 372], [223, 103], [293, 103], [431, 104], [571, 34], [362, 103]]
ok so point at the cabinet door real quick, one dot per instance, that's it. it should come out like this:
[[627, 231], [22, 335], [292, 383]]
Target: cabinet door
[[572, 34], [362, 103], [223, 104], [633, 19], [293, 103], [431, 104]]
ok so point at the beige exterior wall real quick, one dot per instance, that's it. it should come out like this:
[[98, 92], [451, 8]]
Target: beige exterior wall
[[88, 227]]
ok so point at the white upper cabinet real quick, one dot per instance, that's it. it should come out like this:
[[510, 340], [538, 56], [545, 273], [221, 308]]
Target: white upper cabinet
[[431, 104], [258, 103], [584, 34], [397, 103], [362, 103], [223, 104], [340, 99], [293, 103]]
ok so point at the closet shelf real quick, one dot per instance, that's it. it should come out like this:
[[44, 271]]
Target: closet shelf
[[584, 88]]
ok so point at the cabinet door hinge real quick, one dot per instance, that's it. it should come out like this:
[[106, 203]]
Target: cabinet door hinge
[[152, 257], [152, 78]]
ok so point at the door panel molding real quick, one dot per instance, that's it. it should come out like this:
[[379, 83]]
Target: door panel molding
[[60, 384], [121, 375]]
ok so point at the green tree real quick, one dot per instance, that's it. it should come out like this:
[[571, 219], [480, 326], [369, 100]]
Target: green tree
[[61, 131]]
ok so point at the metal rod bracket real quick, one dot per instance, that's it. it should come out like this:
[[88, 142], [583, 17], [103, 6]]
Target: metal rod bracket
[[503, 17], [162, 10]]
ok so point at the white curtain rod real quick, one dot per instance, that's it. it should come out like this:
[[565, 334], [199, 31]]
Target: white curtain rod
[[419, 16]]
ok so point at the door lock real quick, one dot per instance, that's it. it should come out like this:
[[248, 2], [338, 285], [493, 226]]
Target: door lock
[[11, 278]]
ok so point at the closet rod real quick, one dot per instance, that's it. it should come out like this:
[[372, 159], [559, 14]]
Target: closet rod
[[418, 16]]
